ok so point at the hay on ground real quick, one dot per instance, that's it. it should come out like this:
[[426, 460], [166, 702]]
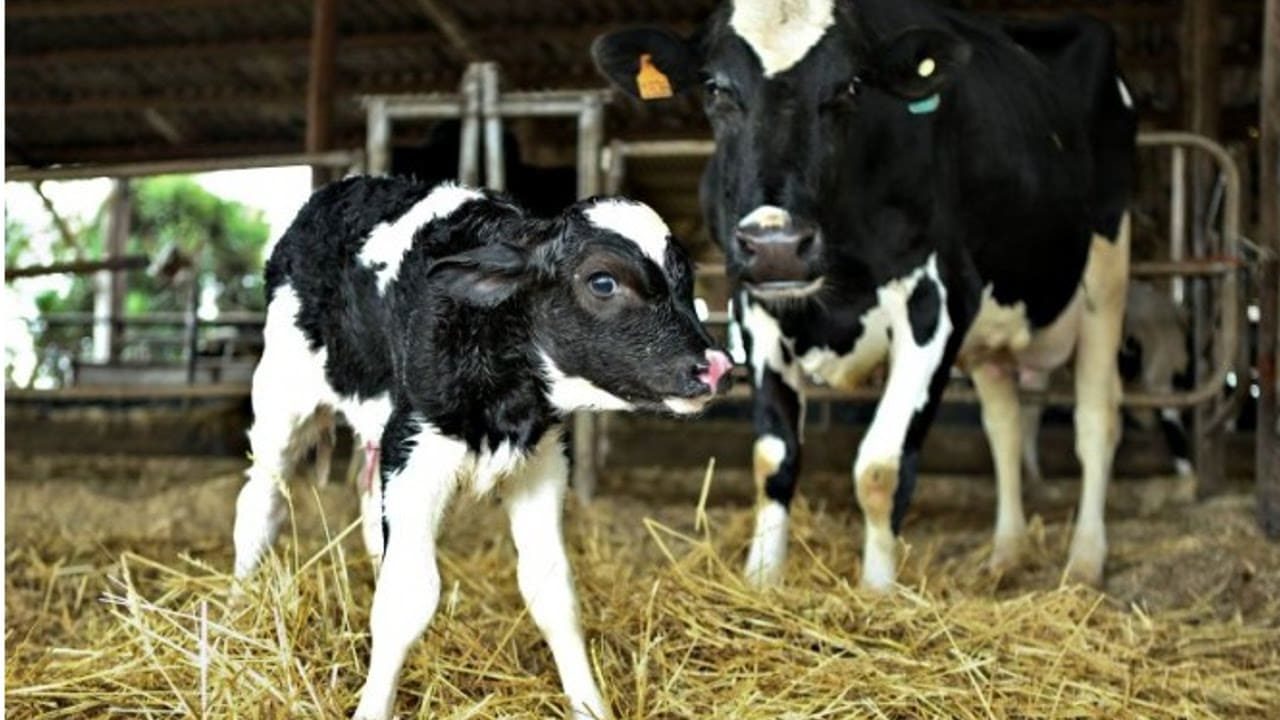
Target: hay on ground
[[672, 630]]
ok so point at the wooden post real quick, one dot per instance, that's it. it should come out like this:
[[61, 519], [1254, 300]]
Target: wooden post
[[1268, 456], [1201, 65], [108, 298], [324, 34]]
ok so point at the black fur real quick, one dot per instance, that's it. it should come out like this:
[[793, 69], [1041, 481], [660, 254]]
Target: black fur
[[1029, 154], [481, 294]]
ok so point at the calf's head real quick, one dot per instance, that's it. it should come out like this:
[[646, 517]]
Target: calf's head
[[608, 294], [806, 100]]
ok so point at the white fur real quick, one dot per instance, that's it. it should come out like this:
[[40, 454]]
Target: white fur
[[575, 393], [491, 466], [849, 371], [766, 216], [879, 557], [408, 588], [781, 32], [1125, 96], [289, 384], [388, 242], [686, 406], [768, 556], [636, 222], [911, 369], [534, 501], [766, 343]]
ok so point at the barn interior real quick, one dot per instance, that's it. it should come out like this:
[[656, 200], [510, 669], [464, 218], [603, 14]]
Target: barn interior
[[121, 471]]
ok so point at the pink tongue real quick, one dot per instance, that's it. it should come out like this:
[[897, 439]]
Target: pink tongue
[[719, 365]]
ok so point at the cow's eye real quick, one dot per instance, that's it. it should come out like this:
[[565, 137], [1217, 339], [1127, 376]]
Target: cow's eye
[[854, 87], [603, 285]]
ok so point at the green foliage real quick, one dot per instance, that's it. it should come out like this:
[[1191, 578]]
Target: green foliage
[[224, 239]]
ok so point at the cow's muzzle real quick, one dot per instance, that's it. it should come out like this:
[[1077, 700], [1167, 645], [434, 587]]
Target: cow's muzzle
[[778, 253]]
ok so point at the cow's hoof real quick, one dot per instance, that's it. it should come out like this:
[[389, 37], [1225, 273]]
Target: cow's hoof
[[876, 583], [1007, 552], [1088, 555], [761, 575]]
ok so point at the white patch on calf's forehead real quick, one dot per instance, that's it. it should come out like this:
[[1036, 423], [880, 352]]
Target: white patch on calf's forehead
[[636, 222], [387, 244], [781, 32]]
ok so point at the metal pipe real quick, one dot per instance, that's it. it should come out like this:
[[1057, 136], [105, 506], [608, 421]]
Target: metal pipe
[[1178, 217], [495, 177], [378, 140], [590, 139], [615, 168], [334, 158], [469, 152]]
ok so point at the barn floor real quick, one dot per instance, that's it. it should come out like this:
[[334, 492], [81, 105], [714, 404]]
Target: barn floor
[[115, 571]]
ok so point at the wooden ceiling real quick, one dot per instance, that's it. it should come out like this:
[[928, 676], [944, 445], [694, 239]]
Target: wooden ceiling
[[95, 81]]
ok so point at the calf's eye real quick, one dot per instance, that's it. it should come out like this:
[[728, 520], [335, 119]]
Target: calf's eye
[[603, 285]]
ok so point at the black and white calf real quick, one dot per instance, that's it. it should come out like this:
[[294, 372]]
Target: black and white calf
[[458, 331], [899, 182]]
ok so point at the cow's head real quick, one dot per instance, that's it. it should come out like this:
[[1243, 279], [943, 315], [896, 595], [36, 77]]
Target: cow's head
[[607, 292], [806, 101]]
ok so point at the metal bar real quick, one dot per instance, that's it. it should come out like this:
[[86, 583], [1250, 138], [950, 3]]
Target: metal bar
[[586, 438], [1267, 478], [158, 319], [108, 298], [1178, 217], [334, 158], [615, 168], [495, 177], [469, 142], [378, 140], [191, 330]]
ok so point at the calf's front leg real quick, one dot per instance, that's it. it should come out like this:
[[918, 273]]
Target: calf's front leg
[[920, 328], [534, 501], [416, 494]]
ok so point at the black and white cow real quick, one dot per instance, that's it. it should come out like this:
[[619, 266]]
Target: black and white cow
[[459, 331], [898, 182]]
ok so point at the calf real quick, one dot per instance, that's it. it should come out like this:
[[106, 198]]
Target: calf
[[899, 182], [459, 331]]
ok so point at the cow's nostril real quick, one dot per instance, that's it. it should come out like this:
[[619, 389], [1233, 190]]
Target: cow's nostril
[[807, 246], [747, 243]]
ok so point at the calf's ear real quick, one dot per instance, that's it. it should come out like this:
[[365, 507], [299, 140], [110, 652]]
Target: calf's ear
[[646, 63], [484, 277], [919, 63]]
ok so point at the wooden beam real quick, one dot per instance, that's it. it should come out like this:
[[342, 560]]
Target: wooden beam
[[337, 159], [164, 127], [324, 34], [1268, 455], [78, 267], [46, 10], [451, 27]]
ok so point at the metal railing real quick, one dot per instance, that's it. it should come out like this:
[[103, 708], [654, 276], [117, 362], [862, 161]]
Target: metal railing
[[1223, 266]]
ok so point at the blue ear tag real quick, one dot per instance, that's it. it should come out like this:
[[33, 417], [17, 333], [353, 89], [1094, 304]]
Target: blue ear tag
[[926, 106]]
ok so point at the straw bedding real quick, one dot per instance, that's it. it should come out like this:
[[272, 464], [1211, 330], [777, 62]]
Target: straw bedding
[[112, 611]]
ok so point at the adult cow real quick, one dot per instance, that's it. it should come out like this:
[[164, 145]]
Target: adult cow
[[895, 181]]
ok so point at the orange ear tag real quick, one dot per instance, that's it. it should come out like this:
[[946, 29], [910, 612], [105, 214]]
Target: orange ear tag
[[651, 82]]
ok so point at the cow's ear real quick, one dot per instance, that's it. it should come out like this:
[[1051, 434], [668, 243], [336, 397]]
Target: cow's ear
[[917, 64], [484, 277], [646, 63]]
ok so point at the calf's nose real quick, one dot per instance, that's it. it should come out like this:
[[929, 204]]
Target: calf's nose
[[715, 370]]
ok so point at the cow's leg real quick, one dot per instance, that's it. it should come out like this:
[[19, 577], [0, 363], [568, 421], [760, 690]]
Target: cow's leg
[[1098, 390], [535, 503], [1032, 411], [776, 466], [921, 334], [408, 588], [1002, 421]]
